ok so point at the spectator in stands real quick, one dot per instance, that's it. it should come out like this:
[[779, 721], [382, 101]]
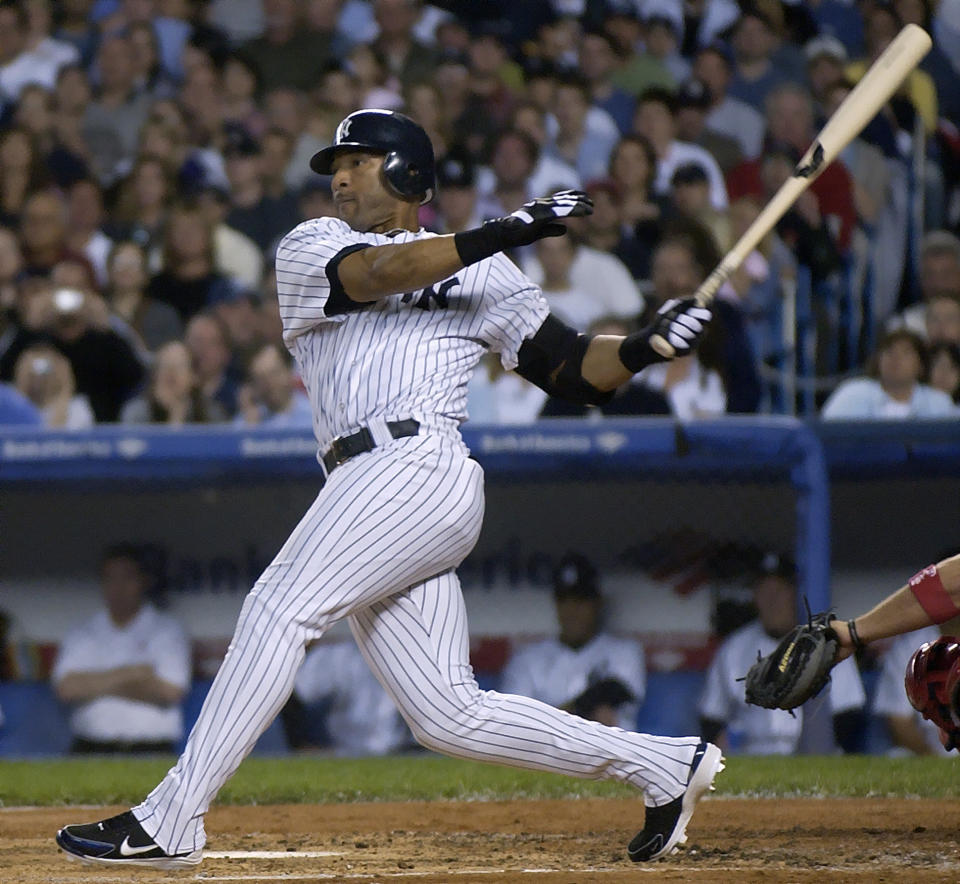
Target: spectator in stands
[[406, 59], [112, 122], [598, 62], [200, 98], [85, 218], [43, 233], [550, 173], [173, 396], [583, 135], [75, 25], [942, 319], [371, 73], [662, 42], [36, 115], [826, 59], [937, 62], [693, 103], [512, 160], [154, 322], [423, 102], [242, 88], [637, 70], [944, 370], [254, 212], [584, 670], [286, 53], [456, 193], [655, 120], [893, 389], [584, 281], [606, 231], [24, 60], [208, 340], [690, 198], [751, 730], [909, 732], [360, 718], [106, 368], [126, 669], [722, 376], [939, 275], [634, 397], [236, 256], [727, 115], [803, 228], [44, 376], [754, 43], [633, 165], [22, 173], [493, 81], [790, 128], [149, 75], [188, 279], [11, 263], [270, 396], [881, 25], [576, 306], [145, 197]]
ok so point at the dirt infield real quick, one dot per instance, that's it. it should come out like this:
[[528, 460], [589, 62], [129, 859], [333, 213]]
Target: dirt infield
[[573, 842]]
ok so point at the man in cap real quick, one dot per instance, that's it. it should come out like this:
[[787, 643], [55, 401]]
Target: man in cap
[[584, 669], [752, 730]]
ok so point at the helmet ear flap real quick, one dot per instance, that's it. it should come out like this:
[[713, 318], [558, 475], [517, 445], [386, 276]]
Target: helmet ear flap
[[405, 178]]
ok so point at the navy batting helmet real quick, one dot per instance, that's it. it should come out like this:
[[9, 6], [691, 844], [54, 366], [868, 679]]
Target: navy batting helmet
[[408, 164]]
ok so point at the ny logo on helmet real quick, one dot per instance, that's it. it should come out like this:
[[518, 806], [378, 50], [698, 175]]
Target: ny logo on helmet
[[343, 130]]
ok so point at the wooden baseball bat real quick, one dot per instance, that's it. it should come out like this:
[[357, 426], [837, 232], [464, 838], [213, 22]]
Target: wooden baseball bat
[[862, 104]]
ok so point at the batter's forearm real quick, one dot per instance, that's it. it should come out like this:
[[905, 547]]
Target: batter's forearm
[[381, 271], [601, 363]]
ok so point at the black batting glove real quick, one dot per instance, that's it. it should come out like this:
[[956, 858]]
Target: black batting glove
[[677, 328], [532, 221]]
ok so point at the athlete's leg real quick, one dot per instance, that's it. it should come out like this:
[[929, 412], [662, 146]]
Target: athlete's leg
[[383, 522], [417, 644]]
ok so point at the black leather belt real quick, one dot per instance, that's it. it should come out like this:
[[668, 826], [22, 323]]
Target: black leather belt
[[345, 447]]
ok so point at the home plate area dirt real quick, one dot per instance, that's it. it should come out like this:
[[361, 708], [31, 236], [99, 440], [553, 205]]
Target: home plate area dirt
[[540, 842]]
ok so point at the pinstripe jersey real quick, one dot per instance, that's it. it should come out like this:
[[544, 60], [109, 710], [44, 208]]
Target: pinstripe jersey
[[406, 355]]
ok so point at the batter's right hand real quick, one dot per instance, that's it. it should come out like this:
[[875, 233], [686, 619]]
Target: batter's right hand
[[540, 217]]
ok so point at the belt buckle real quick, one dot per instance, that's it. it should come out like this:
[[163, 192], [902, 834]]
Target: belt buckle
[[340, 454]]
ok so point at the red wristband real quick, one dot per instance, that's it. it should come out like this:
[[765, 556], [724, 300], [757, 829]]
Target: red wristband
[[928, 590]]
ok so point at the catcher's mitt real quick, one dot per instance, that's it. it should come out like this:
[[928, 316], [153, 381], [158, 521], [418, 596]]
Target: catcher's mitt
[[798, 669]]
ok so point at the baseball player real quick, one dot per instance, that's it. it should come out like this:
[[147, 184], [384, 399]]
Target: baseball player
[[387, 322]]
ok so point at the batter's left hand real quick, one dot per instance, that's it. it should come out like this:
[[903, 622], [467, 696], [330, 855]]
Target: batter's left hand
[[541, 217]]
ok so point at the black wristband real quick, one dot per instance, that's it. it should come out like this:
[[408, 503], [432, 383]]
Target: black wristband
[[636, 353], [479, 243], [854, 636]]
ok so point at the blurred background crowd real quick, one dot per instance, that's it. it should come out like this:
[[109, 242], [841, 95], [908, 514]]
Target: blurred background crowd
[[153, 152]]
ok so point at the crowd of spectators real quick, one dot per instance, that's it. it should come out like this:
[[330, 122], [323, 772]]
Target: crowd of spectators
[[153, 152]]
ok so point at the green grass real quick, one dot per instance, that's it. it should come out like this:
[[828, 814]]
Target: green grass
[[428, 777]]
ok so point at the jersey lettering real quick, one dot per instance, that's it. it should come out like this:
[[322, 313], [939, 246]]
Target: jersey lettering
[[430, 293]]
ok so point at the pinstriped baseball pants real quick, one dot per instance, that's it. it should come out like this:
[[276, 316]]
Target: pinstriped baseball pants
[[379, 546]]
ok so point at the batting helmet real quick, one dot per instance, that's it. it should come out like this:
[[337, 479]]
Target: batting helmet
[[932, 682], [408, 163]]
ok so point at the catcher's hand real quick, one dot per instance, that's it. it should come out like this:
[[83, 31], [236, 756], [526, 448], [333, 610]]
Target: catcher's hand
[[540, 218], [798, 669]]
